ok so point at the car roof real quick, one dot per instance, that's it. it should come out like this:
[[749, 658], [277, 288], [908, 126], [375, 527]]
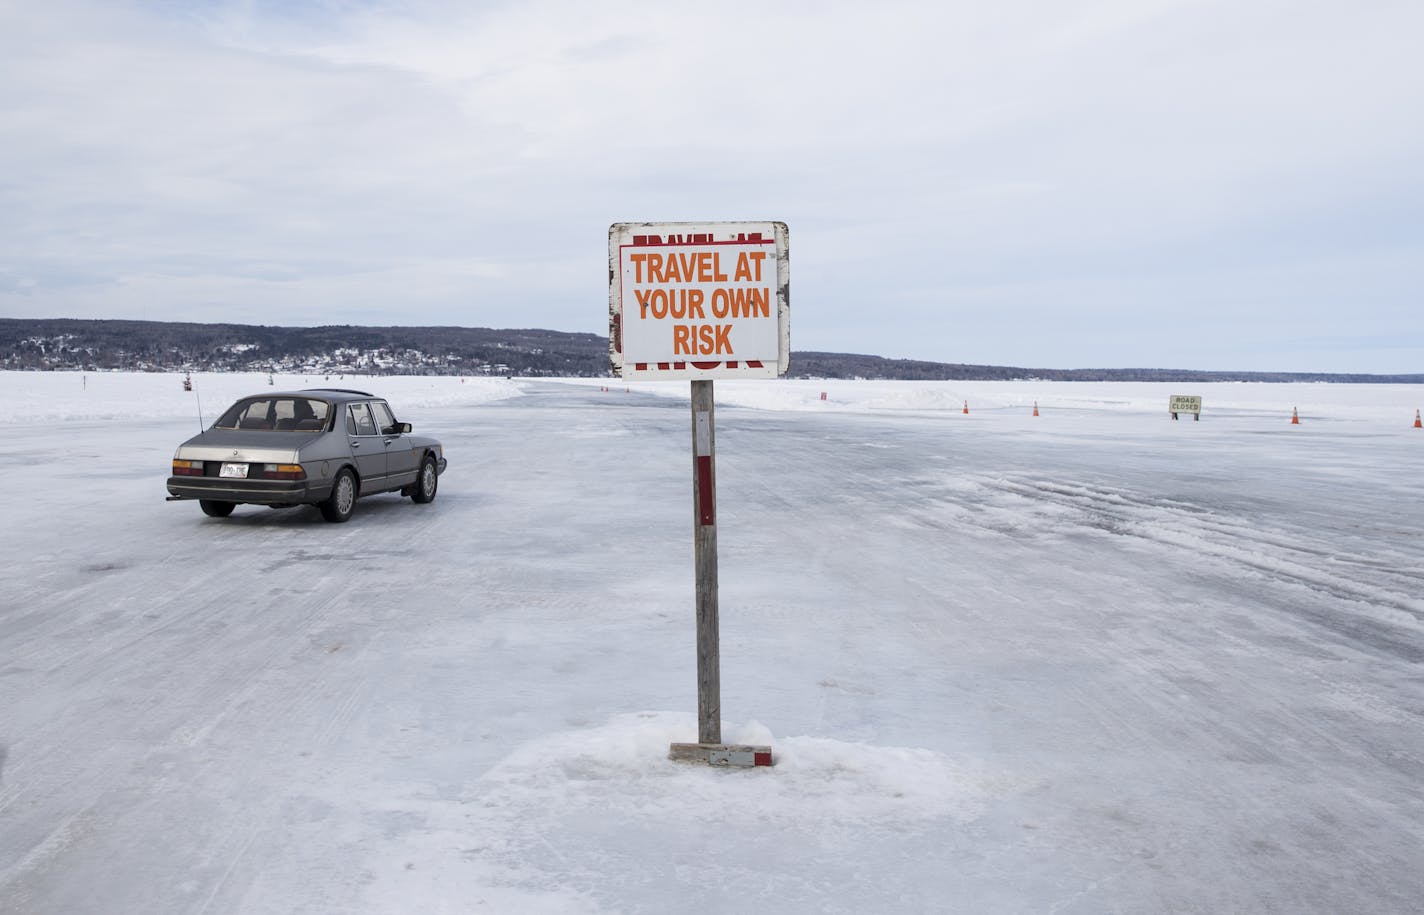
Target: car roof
[[339, 395]]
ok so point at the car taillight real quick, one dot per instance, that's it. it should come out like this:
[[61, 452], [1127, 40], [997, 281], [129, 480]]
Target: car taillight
[[187, 468], [284, 472]]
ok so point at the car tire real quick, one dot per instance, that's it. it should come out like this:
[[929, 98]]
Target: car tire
[[215, 508], [342, 502], [426, 482]]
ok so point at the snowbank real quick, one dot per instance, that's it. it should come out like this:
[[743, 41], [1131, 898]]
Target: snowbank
[[65, 396], [45, 397], [1389, 405]]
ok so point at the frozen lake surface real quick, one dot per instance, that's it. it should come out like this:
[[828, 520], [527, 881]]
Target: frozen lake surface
[[1090, 661]]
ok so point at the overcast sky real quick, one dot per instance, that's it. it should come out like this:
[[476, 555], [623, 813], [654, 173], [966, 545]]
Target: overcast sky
[[1214, 185]]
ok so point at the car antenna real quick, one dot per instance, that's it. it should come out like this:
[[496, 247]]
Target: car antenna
[[199, 399]]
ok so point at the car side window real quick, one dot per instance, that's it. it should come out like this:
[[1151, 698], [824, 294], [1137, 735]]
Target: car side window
[[358, 420], [384, 419], [256, 415]]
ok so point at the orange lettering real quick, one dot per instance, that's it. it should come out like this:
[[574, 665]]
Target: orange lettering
[[747, 303], [679, 340], [672, 274], [758, 256], [738, 303]]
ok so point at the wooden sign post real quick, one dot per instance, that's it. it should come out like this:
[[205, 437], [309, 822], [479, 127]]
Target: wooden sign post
[[704, 545], [701, 301]]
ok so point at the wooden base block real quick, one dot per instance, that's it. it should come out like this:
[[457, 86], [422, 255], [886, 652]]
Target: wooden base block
[[720, 754]]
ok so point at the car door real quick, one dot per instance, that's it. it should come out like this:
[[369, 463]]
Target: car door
[[366, 447], [401, 460]]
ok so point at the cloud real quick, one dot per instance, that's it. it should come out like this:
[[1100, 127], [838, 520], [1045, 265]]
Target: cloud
[[946, 169]]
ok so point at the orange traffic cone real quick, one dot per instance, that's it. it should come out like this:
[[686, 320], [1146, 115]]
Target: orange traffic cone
[[966, 408], [1035, 408], [1417, 423], [1295, 417]]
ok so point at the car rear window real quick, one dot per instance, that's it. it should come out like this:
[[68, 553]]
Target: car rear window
[[279, 414]]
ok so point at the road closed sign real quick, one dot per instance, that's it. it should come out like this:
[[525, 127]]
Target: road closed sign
[[1184, 403], [698, 300]]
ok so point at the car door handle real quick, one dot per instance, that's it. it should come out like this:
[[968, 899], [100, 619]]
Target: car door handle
[[355, 444]]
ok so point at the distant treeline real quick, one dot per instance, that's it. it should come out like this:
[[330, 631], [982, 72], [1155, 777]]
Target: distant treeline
[[169, 346], [160, 346], [850, 365]]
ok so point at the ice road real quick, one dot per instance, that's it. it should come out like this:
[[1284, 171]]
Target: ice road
[[1090, 661]]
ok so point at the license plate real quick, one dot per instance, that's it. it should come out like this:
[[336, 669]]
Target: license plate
[[233, 470]]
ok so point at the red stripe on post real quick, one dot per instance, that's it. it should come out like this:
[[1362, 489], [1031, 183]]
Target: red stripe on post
[[706, 504], [761, 759]]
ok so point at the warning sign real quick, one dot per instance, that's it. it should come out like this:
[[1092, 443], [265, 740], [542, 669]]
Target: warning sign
[[698, 300], [1183, 403]]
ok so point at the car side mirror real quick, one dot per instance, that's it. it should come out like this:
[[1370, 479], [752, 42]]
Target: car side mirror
[[398, 429]]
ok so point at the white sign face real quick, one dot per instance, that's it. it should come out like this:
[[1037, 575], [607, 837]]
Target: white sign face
[[1182, 403], [699, 300]]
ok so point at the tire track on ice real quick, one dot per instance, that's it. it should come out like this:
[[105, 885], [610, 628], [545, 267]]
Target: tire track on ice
[[1366, 570], [1281, 554]]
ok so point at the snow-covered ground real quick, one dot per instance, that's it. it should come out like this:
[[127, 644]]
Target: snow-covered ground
[[1090, 661]]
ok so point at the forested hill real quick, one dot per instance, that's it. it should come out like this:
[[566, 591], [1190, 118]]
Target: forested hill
[[99, 345], [850, 365], [165, 346]]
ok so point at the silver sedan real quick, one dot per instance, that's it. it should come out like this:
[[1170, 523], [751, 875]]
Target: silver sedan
[[322, 446]]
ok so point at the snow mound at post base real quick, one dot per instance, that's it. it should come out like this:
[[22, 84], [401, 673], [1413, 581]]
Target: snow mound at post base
[[815, 781], [579, 820]]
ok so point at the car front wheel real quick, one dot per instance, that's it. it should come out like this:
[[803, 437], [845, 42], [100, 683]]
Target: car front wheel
[[342, 501], [427, 482], [215, 508]]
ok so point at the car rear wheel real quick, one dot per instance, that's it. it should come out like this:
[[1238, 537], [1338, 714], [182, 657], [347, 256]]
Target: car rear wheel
[[342, 501], [214, 508], [427, 482]]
